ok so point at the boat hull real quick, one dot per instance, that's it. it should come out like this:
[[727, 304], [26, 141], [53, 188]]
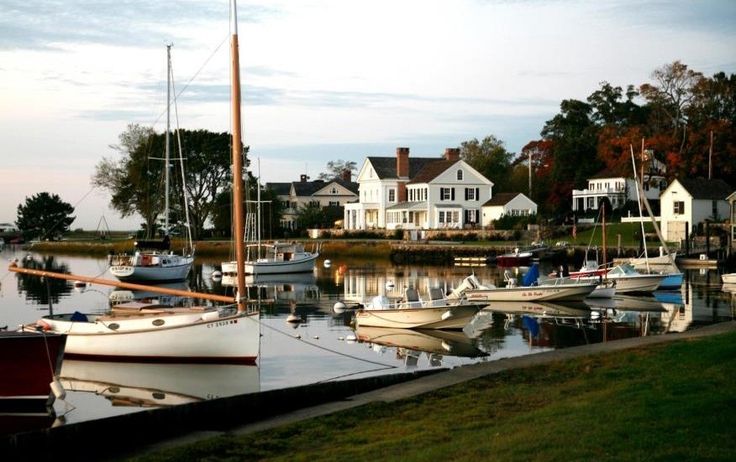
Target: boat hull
[[567, 292], [639, 283], [729, 278], [301, 265], [28, 363], [672, 281], [231, 339], [412, 318], [158, 273]]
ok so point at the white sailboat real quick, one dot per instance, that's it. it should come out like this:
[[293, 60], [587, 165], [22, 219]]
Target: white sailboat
[[152, 333], [153, 261], [269, 258]]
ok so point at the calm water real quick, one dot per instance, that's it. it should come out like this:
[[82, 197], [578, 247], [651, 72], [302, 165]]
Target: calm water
[[324, 346]]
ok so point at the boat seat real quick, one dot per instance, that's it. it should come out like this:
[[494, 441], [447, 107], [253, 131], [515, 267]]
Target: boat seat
[[411, 295], [435, 293]]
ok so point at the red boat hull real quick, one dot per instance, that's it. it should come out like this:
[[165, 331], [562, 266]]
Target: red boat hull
[[28, 363]]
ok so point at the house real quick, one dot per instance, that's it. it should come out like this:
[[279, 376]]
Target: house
[[298, 194], [514, 204], [418, 193], [689, 201], [619, 189], [732, 234]]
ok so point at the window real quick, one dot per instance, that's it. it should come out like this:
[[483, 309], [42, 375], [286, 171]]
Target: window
[[445, 194], [392, 195], [470, 194], [679, 207], [441, 217], [333, 190], [459, 175], [714, 208], [334, 203]]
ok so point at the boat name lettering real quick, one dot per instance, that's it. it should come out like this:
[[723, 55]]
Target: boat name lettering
[[221, 323]]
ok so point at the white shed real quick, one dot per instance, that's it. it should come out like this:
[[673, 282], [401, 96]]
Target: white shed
[[514, 204]]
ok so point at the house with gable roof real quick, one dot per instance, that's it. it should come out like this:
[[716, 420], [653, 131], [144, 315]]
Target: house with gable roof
[[689, 201], [501, 204], [418, 193], [297, 194]]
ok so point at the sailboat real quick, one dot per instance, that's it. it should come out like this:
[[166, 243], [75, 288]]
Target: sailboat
[[153, 261], [269, 258], [141, 332], [672, 279]]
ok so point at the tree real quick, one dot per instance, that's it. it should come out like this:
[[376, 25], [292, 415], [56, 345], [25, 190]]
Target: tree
[[490, 158], [135, 181], [336, 168], [313, 215], [44, 216]]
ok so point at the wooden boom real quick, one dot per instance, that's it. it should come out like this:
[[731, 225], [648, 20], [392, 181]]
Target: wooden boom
[[123, 285]]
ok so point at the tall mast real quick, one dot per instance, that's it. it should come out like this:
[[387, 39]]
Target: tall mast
[[641, 215], [166, 150], [237, 158]]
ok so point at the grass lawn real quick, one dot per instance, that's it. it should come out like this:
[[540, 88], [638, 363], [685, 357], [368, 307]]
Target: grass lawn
[[674, 401]]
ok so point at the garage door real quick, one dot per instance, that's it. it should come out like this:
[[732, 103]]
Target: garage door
[[676, 231]]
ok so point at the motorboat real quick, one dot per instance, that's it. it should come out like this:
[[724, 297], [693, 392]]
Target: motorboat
[[514, 258], [436, 311], [629, 280], [531, 289], [728, 278]]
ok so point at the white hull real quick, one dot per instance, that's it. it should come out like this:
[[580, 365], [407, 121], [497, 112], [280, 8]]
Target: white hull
[[640, 283], [268, 266], [570, 292], [176, 268], [429, 341], [164, 337], [452, 317], [729, 278], [603, 291]]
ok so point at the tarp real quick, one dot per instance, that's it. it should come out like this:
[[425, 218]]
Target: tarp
[[530, 278]]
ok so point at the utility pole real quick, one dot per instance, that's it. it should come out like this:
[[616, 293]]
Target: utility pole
[[710, 157], [530, 174]]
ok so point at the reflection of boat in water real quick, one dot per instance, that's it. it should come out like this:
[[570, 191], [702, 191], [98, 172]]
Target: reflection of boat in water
[[153, 385], [541, 309], [625, 303], [434, 341], [299, 287], [121, 295]]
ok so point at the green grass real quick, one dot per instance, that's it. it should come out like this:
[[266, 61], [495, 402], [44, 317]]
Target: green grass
[[629, 233], [667, 402]]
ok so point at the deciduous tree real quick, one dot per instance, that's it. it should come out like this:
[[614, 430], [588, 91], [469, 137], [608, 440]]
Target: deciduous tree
[[44, 216]]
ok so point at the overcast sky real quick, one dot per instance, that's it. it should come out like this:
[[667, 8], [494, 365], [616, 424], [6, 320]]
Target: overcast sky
[[322, 79]]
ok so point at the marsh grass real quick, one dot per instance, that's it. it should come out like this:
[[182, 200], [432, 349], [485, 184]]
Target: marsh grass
[[672, 401]]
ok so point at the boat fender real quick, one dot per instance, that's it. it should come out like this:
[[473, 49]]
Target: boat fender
[[210, 316], [57, 388], [446, 314], [338, 307], [43, 325]]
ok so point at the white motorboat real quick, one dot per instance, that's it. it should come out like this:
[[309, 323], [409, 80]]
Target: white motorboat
[[145, 332], [530, 290], [433, 341], [728, 278], [437, 311], [629, 280]]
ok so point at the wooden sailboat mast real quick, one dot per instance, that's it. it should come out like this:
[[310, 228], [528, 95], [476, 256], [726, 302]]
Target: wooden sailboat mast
[[237, 158]]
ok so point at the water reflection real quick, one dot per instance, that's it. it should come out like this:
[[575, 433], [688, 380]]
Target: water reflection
[[434, 342], [142, 385], [44, 291]]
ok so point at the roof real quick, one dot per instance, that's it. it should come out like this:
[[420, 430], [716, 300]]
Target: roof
[[432, 170], [308, 188], [606, 173], [281, 189], [700, 188], [500, 199], [408, 206], [385, 167]]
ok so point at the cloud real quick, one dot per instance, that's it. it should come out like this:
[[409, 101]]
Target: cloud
[[28, 25]]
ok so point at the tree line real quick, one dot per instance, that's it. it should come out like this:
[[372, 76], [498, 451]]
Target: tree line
[[685, 119]]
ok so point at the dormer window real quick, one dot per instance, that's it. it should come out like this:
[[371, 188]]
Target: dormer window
[[459, 175]]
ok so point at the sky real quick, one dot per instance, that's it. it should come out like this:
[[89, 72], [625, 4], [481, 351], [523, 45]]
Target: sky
[[322, 79]]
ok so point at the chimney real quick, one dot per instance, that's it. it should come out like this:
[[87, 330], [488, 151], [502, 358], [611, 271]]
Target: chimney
[[402, 162], [303, 178], [452, 154], [346, 175]]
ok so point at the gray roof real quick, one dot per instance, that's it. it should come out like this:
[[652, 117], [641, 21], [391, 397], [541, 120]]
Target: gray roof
[[501, 199], [408, 206], [701, 188], [386, 166], [281, 189], [308, 188]]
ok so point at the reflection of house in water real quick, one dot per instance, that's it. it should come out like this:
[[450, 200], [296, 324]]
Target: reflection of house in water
[[715, 303], [362, 284]]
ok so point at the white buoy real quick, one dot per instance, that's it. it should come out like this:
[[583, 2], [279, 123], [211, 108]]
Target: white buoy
[[339, 307], [327, 263], [58, 389]]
